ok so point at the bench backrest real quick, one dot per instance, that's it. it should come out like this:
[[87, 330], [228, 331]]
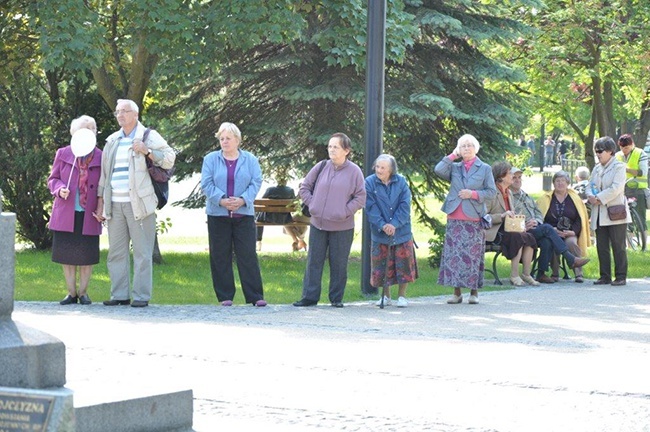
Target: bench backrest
[[275, 205]]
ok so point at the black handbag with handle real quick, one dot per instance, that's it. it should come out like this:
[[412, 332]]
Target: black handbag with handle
[[159, 176]]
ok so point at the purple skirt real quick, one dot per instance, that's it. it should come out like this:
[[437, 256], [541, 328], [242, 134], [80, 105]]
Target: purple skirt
[[463, 255]]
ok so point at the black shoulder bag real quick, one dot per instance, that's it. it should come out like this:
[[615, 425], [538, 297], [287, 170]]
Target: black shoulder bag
[[159, 176]]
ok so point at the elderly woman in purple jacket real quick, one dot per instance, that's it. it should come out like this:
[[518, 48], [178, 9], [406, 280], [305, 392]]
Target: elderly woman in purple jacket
[[334, 191], [74, 222], [388, 207]]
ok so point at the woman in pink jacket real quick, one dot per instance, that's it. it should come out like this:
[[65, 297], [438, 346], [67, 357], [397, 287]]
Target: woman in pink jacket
[[334, 190], [74, 223]]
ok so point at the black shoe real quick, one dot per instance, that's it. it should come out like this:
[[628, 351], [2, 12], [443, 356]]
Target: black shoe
[[84, 299], [602, 282], [618, 282], [305, 302], [69, 300], [117, 302], [337, 304], [140, 303]]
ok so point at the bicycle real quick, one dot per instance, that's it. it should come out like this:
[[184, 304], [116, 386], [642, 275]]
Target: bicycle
[[636, 235]]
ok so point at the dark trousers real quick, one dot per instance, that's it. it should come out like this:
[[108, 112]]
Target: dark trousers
[[336, 246], [612, 236], [549, 242], [225, 235]]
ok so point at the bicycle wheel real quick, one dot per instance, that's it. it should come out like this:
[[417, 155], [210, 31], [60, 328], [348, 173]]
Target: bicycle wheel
[[637, 230]]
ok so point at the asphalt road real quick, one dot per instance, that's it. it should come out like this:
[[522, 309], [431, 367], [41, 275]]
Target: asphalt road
[[567, 357]]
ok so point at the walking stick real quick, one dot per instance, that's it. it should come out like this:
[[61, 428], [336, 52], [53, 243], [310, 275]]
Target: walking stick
[[391, 240]]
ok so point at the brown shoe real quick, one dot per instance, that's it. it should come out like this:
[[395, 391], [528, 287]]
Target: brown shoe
[[618, 282], [579, 262], [545, 279]]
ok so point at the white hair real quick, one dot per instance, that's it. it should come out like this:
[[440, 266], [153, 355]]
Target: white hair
[[582, 173], [133, 105], [230, 127], [387, 158], [83, 122], [469, 139]]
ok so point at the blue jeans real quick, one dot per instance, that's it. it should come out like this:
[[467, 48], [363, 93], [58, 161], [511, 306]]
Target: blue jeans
[[549, 242], [338, 244]]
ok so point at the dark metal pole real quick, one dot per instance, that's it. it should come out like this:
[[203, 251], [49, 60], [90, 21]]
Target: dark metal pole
[[375, 60]]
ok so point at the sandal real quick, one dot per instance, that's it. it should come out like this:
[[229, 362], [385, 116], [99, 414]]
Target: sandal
[[517, 281], [529, 280]]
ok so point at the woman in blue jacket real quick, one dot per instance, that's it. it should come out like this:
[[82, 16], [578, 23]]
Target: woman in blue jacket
[[230, 180], [388, 207]]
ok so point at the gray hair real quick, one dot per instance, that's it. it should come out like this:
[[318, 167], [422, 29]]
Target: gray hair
[[469, 139], [388, 158], [229, 127], [582, 173], [133, 105], [562, 174], [83, 122]]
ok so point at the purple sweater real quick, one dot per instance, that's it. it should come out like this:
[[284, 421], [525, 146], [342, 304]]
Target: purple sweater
[[339, 193]]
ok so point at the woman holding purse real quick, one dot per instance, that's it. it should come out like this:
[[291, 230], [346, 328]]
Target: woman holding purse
[[609, 215], [516, 246]]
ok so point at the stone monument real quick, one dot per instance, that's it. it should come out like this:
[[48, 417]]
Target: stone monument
[[32, 363]]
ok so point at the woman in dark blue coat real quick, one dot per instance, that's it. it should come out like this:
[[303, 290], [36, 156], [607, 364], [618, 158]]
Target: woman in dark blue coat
[[388, 206]]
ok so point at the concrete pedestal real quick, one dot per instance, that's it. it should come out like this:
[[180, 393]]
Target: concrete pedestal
[[30, 358], [49, 410]]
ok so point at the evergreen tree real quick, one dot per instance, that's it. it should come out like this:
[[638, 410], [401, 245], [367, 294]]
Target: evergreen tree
[[289, 97]]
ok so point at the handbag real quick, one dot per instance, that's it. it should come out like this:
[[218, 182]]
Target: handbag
[[516, 223], [617, 212], [486, 221], [159, 177], [304, 208]]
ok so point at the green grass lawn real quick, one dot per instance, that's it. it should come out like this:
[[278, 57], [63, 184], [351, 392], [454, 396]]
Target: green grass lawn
[[184, 278]]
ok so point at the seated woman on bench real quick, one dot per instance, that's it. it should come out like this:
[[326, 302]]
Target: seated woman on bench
[[515, 246], [282, 191]]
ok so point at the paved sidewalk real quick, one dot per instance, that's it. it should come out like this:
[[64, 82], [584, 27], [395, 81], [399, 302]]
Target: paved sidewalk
[[565, 357]]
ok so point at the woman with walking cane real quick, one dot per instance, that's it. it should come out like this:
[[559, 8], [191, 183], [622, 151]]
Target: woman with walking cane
[[388, 207]]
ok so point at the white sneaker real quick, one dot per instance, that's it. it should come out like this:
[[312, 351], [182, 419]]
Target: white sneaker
[[402, 302], [473, 299], [455, 299], [387, 301]]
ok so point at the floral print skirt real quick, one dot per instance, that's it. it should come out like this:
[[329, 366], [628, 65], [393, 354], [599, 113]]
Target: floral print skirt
[[393, 265], [463, 255]]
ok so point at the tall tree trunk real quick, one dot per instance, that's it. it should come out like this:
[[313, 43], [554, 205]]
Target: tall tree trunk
[[643, 126], [608, 107]]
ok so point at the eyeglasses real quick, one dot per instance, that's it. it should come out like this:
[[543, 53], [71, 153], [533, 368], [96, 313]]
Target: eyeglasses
[[599, 151], [118, 112]]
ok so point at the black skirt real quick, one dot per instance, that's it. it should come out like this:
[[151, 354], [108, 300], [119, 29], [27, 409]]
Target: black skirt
[[511, 242], [74, 248]]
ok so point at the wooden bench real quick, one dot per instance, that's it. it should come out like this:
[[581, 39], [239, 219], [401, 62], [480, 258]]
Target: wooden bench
[[497, 252], [275, 205]]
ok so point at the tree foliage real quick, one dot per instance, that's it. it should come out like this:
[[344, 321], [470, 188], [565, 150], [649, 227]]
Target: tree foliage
[[587, 65], [289, 97], [127, 44]]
